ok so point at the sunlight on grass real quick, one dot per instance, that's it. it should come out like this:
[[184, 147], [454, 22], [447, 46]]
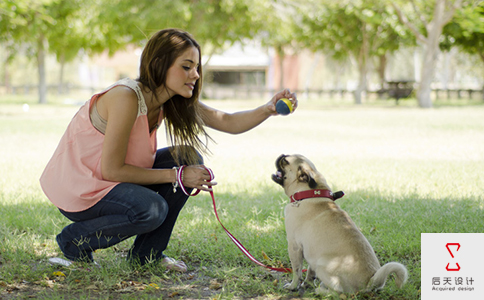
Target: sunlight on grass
[[404, 171]]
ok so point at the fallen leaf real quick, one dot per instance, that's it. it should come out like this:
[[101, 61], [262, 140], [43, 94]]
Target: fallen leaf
[[59, 273], [264, 255], [173, 294], [47, 283], [215, 285], [154, 285]]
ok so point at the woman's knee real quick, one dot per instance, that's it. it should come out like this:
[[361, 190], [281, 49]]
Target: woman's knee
[[152, 213], [194, 154], [165, 157]]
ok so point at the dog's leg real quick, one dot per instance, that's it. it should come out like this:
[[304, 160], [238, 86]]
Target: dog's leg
[[310, 277], [296, 257]]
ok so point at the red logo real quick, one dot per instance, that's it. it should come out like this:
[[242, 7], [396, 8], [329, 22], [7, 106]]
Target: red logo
[[451, 254]]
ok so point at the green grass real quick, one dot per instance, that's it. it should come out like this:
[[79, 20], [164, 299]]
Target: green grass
[[404, 171]]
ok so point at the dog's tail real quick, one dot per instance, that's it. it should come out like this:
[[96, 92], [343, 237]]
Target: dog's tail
[[379, 279]]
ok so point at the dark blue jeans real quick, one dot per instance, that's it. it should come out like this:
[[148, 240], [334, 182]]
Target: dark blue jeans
[[147, 212]]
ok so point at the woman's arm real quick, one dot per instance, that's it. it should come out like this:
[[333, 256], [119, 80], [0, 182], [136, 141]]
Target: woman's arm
[[243, 121], [120, 109]]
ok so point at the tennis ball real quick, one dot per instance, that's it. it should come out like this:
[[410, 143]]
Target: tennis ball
[[284, 106]]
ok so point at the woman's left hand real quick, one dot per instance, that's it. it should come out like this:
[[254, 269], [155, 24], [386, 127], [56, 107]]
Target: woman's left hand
[[198, 177], [286, 93]]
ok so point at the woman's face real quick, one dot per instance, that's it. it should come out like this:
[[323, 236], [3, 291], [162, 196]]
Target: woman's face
[[183, 74]]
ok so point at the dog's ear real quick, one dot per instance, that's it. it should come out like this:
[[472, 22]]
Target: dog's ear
[[305, 175]]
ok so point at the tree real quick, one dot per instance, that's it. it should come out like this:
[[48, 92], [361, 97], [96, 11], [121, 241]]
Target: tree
[[360, 30], [278, 31], [68, 36], [466, 30], [7, 24], [42, 26], [426, 20], [222, 22], [30, 26], [213, 23], [64, 27]]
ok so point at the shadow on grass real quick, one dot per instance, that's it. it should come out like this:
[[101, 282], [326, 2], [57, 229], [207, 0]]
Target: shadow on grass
[[392, 225]]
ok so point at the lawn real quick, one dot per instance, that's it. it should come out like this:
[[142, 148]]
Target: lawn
[[404, 170]]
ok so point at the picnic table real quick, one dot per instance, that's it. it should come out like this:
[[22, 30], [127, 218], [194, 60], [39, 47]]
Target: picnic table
[[399, 89]]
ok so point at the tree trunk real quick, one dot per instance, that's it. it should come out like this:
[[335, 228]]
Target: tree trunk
[[362, 61], [481, 55], [442, 14], [6, 77], [431, 51], [309, 76], [280, 53], [41, 68], [381, 69], [62, 62], [429, 61], [426, 77], [361, 83]]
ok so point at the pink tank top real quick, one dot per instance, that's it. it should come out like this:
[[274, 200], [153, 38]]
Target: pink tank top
[[72, 179]]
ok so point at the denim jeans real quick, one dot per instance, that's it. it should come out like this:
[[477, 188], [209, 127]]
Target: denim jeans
[[147, 212]]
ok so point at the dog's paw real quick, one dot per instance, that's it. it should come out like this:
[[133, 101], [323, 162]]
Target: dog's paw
[[291, 286], [310, 283]]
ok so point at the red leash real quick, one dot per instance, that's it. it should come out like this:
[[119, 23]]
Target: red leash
[[236, 242], [241, 247]]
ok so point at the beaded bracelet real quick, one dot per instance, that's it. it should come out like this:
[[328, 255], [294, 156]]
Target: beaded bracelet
[[176, 184]]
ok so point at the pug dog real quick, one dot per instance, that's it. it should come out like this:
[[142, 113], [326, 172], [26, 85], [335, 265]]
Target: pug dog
[[323, 234]]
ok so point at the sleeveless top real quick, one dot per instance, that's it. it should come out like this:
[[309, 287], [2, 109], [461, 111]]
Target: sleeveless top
[[97, 121], [72, 179]]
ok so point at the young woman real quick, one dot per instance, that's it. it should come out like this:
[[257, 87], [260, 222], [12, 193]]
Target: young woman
[[107, 175]]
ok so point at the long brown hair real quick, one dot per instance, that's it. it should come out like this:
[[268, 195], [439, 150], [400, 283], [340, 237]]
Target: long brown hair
[[183, 122]]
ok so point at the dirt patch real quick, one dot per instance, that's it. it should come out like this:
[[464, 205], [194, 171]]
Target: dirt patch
[[191, 285]]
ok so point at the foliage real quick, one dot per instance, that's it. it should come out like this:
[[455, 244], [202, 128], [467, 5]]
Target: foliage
[[466, 30], [360, 30], [25, 22], [100, 25], [426, 21], [343, 28]]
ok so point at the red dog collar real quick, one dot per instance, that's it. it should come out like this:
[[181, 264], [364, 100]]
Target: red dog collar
[[316, 194]]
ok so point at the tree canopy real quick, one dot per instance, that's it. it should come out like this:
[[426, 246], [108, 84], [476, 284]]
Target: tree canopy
[[349, 29], [360, 30]]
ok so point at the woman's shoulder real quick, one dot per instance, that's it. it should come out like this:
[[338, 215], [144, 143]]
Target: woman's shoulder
[[124, 87], [119, 96], [122, 91]]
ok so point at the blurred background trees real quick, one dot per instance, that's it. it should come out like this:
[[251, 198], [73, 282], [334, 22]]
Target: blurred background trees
[[362, 32]]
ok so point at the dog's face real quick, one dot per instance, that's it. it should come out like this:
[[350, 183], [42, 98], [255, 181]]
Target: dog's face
[[296, 173]]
